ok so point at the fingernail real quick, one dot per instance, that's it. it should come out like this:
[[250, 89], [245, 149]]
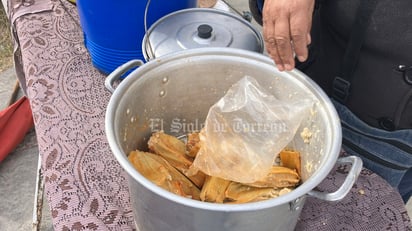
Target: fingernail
[[301, 58], [280, 67], [288, 67]]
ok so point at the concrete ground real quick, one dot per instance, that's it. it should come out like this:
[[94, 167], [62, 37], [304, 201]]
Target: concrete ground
[[18, 174], [18, 171]]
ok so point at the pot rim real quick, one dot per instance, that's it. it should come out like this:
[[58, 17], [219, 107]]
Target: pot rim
[[302, 190]]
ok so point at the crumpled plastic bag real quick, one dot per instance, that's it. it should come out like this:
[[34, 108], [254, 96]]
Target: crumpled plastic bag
[[245, 131]]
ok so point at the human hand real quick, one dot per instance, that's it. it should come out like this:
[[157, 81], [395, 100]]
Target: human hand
[[286, 30]]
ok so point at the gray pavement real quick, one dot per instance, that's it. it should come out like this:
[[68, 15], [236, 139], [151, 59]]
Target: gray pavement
[[7, 83], [18, 171], [18, 174]]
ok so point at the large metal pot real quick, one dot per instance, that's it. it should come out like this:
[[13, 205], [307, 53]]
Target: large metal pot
[[175, 92]]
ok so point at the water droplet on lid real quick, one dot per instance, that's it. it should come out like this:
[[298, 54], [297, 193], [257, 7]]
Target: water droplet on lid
[[165, 79], [162, 93]]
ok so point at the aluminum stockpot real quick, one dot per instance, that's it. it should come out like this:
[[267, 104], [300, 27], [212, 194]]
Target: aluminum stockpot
[[174, 93]]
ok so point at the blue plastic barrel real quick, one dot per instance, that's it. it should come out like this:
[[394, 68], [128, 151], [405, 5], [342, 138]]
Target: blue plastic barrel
[[114, 29]]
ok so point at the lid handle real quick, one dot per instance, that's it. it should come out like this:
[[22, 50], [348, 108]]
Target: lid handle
[[204, 31]]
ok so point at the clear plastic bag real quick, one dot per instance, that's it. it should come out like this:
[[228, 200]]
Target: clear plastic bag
[[245, 130]]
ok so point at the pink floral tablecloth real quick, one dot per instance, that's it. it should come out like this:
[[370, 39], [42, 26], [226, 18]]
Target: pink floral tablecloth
[[85, 187]]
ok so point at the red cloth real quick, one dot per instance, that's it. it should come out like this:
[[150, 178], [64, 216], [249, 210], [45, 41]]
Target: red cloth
[[15, 122]]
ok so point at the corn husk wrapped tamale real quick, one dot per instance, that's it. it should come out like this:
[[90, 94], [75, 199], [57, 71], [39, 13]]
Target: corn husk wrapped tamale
[[291, 159], [174, 151], [160, 172], [238, 193], [193, 144], [169, 160], [170, 148], [213, 189], [278, 177]]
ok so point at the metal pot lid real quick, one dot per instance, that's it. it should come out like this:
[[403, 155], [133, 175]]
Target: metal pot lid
[[198, 28]]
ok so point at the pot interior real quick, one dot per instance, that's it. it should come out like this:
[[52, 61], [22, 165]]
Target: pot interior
[[175, 92]]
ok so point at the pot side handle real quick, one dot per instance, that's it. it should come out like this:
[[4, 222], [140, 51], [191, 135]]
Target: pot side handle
[[119, 72], [347, 184]]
